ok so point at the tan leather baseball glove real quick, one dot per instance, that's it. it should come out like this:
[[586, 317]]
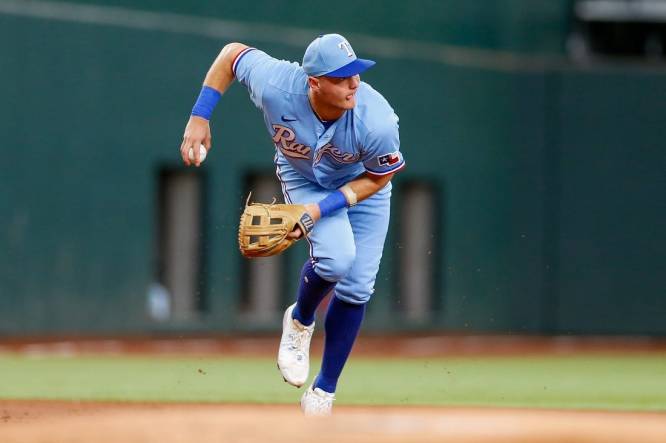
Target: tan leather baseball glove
[[264, 228]]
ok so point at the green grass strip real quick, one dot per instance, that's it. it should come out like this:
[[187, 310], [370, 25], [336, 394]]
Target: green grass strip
[[597, 382]]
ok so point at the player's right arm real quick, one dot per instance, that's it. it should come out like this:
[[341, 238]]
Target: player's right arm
[[218, 79]]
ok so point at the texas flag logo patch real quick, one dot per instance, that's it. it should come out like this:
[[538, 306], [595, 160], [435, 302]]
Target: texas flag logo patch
[[389, 159]]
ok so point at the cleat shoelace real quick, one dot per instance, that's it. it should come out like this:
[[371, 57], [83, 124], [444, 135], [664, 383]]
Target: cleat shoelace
[[297, 339], [320, 403]]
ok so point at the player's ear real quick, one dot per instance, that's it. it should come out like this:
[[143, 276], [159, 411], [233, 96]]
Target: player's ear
[[313, 82]]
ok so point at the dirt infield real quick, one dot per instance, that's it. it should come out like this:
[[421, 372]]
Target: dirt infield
[[62, 422]]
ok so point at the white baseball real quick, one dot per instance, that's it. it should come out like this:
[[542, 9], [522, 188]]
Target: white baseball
[[202, 153]]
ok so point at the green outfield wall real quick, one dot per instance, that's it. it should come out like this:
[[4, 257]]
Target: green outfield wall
[[547, 178], [531, 26]]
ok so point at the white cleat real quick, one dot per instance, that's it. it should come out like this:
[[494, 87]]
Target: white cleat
[[294, 353], [317, 403]]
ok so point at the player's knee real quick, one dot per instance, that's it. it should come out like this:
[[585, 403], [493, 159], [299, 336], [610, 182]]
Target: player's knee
[[358, 296], [337, 267]]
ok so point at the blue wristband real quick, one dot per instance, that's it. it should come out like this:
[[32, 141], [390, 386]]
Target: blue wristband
[[208, 98], [332, 203]]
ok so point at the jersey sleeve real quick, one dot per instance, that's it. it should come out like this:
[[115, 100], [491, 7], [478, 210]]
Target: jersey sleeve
[[381, 151], [255, 69]]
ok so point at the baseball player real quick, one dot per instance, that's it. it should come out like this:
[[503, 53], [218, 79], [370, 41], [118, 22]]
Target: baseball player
[[336, 150]]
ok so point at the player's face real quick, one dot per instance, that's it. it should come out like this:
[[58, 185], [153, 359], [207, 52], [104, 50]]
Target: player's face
[[339, 92]]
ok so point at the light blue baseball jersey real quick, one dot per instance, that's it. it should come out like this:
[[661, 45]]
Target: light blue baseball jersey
[[363, 139]]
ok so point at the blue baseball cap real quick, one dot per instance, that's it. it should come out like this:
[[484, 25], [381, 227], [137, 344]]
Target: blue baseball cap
[[331, 55]]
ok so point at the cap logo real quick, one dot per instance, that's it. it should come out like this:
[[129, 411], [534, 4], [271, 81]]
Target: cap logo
[[345, 46]]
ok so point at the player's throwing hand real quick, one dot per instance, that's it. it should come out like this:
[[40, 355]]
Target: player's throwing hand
[[197, 132]]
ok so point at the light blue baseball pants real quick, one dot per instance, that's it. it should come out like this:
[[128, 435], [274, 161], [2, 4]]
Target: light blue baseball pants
[[346, 246]]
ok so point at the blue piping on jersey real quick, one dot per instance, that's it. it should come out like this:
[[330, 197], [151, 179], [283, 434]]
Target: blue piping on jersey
[[288, 200], [239, 57], [400, 166]]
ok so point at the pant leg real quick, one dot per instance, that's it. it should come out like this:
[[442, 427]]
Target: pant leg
[[331, 241], [369, 221]]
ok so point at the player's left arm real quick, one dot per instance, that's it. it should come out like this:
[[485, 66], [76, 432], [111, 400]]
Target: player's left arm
[[355, 191]]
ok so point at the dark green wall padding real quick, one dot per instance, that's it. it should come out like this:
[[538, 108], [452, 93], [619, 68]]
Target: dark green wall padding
[[550, 185], [527, 26]]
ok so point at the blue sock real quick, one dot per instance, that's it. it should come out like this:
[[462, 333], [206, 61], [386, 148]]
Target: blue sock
[[343, 320], [311, 291]]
